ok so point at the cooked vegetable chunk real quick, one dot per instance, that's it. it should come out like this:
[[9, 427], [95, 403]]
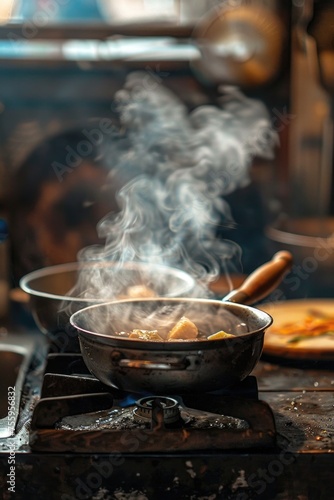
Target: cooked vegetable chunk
[[184, 329], [220, 335], [138, 291], [145, 335]]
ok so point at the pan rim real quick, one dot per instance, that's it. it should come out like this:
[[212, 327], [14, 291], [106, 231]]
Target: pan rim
[[188, 281], [168, 345]]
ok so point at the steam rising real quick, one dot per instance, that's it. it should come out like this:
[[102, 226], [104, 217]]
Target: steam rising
[[161, 315], [175, 168]]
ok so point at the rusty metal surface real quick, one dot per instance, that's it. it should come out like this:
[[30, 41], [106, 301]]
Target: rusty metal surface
[[259, 433]]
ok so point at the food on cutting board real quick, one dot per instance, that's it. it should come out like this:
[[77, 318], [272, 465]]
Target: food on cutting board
[[183, 330], [315, 324]]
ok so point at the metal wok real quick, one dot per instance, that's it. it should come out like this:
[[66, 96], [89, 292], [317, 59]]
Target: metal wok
[[171, 367]]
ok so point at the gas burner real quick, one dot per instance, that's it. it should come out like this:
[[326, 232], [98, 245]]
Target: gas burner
[[157, 409]]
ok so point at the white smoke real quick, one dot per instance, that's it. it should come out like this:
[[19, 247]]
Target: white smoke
[[175, 167]]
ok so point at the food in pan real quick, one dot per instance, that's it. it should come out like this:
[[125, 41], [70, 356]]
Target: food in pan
[[220, 335], [145, 335], [183, 330], [138, 292], [315, 324]]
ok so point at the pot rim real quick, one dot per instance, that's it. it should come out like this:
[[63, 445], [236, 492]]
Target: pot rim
[[170, 345], [281, 232], [25, 282]]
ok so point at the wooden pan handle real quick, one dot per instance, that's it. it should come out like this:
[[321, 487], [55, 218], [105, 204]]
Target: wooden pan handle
[[263, 280]]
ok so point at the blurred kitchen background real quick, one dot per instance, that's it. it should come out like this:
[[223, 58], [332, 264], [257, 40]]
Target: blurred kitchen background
[[61, 62]]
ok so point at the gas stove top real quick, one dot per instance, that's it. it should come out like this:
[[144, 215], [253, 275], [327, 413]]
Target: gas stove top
[[77, 413]]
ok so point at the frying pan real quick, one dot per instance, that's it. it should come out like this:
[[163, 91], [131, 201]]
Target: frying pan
[[170, 367]]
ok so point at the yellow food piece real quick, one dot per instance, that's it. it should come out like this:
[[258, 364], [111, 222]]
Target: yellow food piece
[[145, 335], [184, 329], [138, 291], [220, 335]]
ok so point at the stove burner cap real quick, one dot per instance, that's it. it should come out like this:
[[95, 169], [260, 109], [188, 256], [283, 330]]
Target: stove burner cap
[[145, 408]]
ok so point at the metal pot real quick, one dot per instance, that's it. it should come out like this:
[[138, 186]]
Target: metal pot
[[311, 242], [171, 367], [55, 292]]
